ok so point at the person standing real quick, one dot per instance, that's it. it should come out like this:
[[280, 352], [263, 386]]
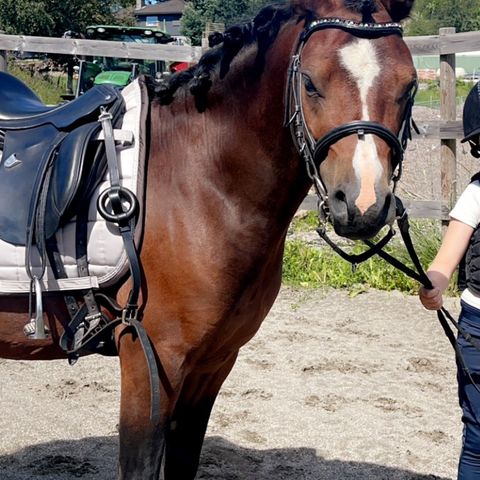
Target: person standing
[[462, 242]]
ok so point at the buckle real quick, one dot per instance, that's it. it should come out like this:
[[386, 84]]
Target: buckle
[[105, 115], [93, 316], [129, 315]]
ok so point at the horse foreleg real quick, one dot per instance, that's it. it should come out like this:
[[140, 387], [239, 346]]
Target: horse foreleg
[[189, 421], [142, 442]]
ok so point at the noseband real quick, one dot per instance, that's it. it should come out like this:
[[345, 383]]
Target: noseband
[[313, 151]]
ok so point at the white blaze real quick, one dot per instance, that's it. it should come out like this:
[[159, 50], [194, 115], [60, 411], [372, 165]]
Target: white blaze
[[360, 60]]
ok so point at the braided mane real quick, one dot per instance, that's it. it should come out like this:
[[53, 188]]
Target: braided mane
[[262, 30]]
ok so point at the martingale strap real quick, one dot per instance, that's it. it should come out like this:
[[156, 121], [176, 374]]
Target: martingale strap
[[119, 205]]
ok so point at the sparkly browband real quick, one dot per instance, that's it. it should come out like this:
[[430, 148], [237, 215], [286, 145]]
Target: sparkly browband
[[359, 29]]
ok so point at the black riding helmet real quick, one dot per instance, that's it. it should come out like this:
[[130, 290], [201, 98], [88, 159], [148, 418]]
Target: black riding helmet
[[471, 120]]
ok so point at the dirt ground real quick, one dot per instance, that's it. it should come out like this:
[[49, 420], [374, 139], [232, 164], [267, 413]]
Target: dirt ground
[[331, 388]]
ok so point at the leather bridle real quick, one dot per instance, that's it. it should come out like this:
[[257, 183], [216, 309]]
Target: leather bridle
[[314, 151]]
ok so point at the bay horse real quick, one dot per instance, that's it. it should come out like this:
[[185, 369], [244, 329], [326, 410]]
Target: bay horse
[[310, 92]]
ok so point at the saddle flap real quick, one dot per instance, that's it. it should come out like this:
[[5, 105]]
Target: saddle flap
[[76, 162], [24, 162]]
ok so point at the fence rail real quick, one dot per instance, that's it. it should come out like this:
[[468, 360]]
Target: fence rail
[[431, 209], [103, 48], [444, 44], [447, 44]]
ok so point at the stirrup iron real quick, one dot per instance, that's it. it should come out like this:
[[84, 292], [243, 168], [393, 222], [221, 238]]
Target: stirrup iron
[[35, 329]]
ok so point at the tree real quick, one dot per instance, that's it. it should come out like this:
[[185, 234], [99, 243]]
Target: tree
[[24, 17], [429, 15], [54, 17], [199, 12]]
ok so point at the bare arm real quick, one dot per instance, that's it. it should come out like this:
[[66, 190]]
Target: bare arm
[[453, 248]]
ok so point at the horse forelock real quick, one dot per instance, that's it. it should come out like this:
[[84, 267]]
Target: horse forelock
[[362, 6]]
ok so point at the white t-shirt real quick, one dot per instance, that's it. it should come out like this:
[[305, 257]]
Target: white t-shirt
[[467, 210]]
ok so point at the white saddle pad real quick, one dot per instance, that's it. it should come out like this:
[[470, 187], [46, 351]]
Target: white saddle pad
[[106, 256]]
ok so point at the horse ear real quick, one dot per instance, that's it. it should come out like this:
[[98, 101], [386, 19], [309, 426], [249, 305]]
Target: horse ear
[[398, 9], [303, 7]]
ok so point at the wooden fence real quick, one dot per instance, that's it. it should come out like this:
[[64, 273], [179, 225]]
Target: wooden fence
[[99, 48], [446, 44]]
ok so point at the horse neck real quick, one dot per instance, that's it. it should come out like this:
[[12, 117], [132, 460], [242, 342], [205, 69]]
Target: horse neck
[[239, 147]]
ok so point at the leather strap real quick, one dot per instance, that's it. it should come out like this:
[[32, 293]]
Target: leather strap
[[360, 128], [153, 372], [362, 30], [126, 223]]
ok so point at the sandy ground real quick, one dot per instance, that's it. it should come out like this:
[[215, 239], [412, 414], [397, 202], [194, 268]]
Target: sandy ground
[[331, 388]]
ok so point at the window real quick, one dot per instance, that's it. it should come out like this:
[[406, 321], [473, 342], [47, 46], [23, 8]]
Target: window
[[152, 22], [151, 2]]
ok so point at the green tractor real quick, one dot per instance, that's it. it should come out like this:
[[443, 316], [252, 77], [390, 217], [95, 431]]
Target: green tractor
[[119, 71]]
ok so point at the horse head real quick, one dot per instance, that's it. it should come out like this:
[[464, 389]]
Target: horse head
[[348, 81], [354, 83]]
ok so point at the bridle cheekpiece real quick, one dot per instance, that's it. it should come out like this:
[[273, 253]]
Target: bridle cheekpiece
[[314, 151]]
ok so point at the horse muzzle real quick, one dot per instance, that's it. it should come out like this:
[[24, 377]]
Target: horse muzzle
[[350, 222]]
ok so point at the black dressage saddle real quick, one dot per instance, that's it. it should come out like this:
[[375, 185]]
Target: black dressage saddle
[[51, 159]]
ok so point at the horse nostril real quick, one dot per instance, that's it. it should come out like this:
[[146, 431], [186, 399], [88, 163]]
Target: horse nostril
[[340, 196]]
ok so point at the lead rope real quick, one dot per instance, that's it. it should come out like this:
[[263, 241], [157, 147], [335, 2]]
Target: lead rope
[[420, 276]]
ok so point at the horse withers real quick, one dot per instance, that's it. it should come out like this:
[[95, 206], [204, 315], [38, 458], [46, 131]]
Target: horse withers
[[313, 92]]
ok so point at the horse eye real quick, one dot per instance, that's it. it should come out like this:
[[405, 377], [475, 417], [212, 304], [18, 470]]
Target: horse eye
[[410, 92], [310, 87]]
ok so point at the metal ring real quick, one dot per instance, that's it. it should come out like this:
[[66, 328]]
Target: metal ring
[[117, 195]]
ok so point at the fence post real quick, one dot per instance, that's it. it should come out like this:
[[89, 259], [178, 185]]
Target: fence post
[[70, 77], [448, 112], [3, 58]]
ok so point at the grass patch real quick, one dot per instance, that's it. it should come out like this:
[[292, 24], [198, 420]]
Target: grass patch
[[431, 94], [312, 267], [305, 223], [47, 87]]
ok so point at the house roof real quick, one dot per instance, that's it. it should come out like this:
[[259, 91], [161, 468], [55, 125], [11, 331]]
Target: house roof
[[166, 7]]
